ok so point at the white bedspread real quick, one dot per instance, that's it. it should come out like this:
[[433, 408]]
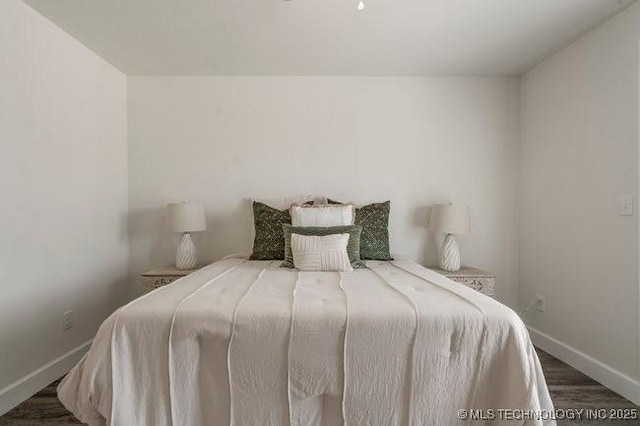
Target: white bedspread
[[249, 343]]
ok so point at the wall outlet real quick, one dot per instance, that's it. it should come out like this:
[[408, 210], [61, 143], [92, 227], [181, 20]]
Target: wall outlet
[[541, 303], [67, 320], [625, 205]]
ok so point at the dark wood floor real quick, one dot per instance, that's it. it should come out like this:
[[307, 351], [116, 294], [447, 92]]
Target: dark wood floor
[[568, 387], [41, 409]]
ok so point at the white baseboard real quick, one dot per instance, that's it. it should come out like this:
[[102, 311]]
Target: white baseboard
[[23, 389], [600, 372]]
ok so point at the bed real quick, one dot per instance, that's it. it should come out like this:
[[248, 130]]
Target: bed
[[244, 342]]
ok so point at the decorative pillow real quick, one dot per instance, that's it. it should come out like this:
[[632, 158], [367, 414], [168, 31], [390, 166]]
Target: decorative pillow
[[324, 215], [374, 242], [268, 243], [353, 246], [374, 218], [316, 253]]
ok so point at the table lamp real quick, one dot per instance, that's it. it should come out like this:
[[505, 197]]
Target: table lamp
[[186, 218], [450, 219]]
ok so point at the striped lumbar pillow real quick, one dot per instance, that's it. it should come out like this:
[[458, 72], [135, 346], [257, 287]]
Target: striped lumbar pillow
[[353, 247], [316, 253]]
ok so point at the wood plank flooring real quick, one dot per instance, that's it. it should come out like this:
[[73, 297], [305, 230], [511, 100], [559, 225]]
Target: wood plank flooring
[[568, 387], [42, 409]]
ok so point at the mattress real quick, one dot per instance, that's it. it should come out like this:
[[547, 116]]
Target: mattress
[[249, 343]]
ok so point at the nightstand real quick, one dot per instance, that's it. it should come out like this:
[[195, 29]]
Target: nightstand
[[476, 279], [160, 277]]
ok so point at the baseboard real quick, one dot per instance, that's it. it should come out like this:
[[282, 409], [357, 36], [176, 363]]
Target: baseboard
[[23, 389], [600, 372]]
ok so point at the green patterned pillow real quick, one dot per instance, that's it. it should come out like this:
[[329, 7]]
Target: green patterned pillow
[[268, 243], [374, 242], [353, 247], [374, 218]]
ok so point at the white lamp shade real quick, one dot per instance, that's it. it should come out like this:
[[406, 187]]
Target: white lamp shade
[[450, 219], [186, 217]]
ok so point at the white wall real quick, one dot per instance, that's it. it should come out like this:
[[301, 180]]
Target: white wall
[[63, 184], [223, 140], [579, 153], [416, 141]]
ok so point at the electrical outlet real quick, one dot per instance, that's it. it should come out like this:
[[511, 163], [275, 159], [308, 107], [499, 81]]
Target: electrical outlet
[[67, 320], [541, 303], [625, 205]]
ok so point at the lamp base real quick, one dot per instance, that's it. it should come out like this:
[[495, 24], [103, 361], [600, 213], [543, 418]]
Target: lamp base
[[186, 254], [450, 255]]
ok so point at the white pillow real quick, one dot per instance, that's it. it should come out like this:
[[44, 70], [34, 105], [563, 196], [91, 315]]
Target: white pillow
[[320, 253], [322, 215]]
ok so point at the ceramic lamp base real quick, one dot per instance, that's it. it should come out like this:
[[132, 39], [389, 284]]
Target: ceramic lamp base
[[450, 254], [186, 254]]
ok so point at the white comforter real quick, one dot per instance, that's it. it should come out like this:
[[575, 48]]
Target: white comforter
[[249, 343]]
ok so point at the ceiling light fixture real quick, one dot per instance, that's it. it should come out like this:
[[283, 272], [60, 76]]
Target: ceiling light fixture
[[361, 5]]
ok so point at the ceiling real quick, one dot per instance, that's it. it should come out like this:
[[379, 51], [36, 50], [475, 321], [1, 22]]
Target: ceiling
[[326, 37]]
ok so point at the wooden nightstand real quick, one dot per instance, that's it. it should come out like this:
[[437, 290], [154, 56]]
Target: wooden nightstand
[[160, 277], [476, 279]]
